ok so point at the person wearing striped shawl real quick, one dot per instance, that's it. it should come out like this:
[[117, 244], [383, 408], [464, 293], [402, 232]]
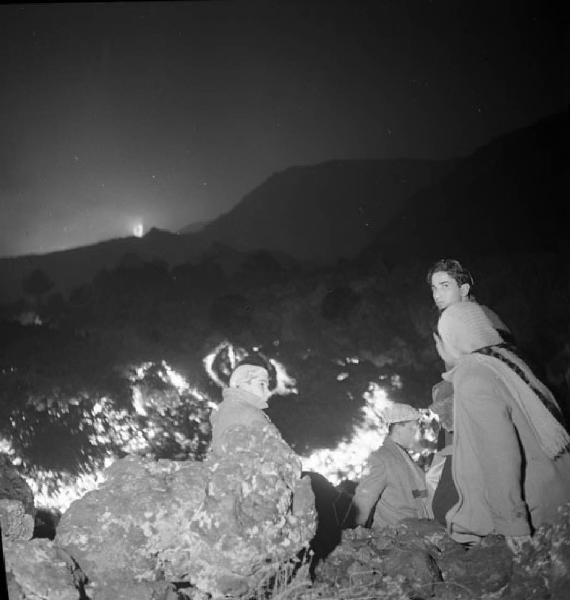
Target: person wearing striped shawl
[[511, 460]]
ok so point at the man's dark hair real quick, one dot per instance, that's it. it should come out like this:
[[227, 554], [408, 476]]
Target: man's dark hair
[[453, 268]]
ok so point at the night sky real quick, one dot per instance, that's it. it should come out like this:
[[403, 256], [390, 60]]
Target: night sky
[[164, 114]]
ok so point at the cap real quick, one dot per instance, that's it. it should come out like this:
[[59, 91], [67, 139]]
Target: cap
[[398, 412]]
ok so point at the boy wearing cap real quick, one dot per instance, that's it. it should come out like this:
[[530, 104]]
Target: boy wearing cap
[[394, 488]]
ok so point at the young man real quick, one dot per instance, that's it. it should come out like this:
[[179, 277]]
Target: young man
[[451, 283], [394, 488]]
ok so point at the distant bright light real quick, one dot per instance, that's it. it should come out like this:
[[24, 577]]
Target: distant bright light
[[138, 229]]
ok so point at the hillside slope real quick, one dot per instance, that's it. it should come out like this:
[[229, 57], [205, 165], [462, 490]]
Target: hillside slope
[[314, 213], [327, 211], [509, 195]]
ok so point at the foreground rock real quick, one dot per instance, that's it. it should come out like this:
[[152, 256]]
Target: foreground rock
[[398, 561], [417, 559], [225, 525], [256, 515], [13, 486], [15, 522], [110, 531], [37, 570]]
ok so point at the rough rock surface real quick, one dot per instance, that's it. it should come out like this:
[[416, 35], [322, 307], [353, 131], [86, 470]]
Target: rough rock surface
[[543, 568], [13, 486], [392, 564], [483, 569], [114, 532], [394, 561], [15, 523], [256, 514], [36, 570], [224, 525]]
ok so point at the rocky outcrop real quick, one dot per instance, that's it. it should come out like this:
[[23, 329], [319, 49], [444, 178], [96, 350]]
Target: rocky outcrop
[[257, 513], [114, 532], [224, 525], [15, 523], [37, 570], [417, 559], [13, 486], [394, 560]]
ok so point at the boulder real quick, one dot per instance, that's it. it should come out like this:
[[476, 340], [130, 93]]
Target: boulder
[[15, 523], [13, 486], [224, 525], [483, 569], [115, 531], [37, 570], [256, 514], [392, 563], [394, 560], [542, 570]]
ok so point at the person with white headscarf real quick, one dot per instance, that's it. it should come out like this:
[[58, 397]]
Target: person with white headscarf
[[243, 402], [511, 460]]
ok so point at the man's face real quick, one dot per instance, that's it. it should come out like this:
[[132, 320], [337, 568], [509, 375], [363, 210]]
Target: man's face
[[408, 433], [446, 291], [258, 386]]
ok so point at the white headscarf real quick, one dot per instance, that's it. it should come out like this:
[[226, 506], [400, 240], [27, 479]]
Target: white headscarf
[[244, 374], [464, 328]]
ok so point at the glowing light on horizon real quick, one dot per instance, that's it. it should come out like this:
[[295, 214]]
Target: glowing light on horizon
[[138, 229]]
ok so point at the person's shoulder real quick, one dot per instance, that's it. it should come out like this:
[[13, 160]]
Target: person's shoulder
[[474, 371], [240, 411], [470, 365], [389, 451], [496, 321], [378, 455]]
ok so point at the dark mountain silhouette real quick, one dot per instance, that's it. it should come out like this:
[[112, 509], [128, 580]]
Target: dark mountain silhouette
[[315, 213], [194, 227], [324, 212], [508, 196], [70, 268]]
